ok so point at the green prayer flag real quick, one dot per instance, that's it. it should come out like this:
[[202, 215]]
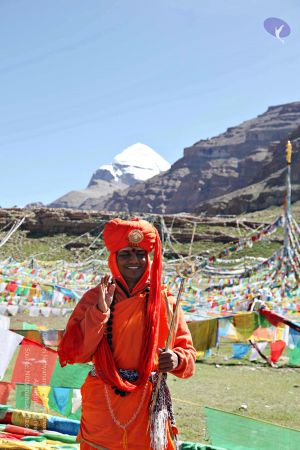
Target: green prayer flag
[[195, 446], [23, 396], [70, 376], [263, 321], [294, 356], [67, 438], [34, 438], [29, 326], [236, 432]]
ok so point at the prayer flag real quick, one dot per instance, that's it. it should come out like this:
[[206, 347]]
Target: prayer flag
[[23, 396], [204, 333], [51, 338], [29, 326], [41, 395], [254, 355], [4, 322], [35, 364], [277, 348], [294, 356], [76, 401], [225, 327], [5, 388], [31, 335], [294, 338], [66, 401], [13, 309], [240, 350], [70, 376], [60, 400], [9, 343], [245, 324]]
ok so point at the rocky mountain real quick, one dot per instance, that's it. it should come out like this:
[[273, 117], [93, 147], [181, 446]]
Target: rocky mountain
[[269, 191], [51, 221], [136, 163], [34, 205], [238, 171]]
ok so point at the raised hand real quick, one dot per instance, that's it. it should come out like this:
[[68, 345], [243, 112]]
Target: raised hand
[[106, 293]]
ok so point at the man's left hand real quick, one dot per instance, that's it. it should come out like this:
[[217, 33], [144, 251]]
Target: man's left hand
[[167, 360]]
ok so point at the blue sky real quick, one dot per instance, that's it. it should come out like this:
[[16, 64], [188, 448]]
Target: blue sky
[[82, 80]]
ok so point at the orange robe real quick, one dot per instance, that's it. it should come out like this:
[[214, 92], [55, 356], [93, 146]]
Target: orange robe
[[105, 413]]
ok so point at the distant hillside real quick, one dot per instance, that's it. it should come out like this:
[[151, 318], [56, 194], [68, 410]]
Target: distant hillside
[[74, 235], [241, 170]]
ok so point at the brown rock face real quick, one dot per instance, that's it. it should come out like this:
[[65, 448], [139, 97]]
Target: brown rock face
[[41, 222], [50, 221], [270, 191], [224, 174]]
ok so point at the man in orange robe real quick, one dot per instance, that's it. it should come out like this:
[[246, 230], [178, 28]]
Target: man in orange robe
[[122, 326]]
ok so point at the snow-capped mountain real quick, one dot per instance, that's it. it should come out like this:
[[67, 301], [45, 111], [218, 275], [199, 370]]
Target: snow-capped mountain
[[139, 162]]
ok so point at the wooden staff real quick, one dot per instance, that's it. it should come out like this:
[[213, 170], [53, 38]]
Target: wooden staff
[[172, 326]]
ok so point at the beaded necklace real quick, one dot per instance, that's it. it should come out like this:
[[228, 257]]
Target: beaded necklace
[[124, 426], [109, 341], [109, 325]]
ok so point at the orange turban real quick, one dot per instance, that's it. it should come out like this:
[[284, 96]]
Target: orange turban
[[120, 233]]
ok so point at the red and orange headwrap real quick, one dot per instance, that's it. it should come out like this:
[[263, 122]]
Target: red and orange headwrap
[[119, 233]]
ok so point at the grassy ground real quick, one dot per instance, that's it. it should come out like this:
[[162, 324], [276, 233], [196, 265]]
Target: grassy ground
[[270, 394]]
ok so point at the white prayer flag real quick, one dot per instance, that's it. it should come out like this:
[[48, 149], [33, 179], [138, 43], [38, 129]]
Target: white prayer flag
[[254, 355], [45, 310], [57, 298], [9, 343], [76, 400], [34, 311], [13, 309], [4, 322], [3, 309], [56, 311]]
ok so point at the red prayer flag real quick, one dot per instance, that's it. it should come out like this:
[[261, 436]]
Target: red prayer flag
[[273, 318], [5, 388], [22, 431], [35, 364], [277, 348], [10, 436]]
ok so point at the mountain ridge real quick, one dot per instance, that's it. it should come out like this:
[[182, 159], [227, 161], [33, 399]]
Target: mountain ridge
[[213, 168], [136, 162]]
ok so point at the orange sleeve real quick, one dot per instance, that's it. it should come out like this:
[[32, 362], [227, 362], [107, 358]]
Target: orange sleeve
[[183, 347], [84, 331]]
